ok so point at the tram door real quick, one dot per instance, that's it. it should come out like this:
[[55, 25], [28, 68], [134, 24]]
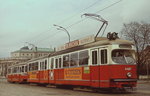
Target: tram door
[[104, 68], [94, 68], [99, 70]]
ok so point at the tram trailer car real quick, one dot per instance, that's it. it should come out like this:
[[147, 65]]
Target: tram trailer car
[[102, 64], [17, 73]]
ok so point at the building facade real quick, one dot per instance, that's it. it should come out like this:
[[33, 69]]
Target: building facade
[[22, 55], [5, 62], [27, 53]]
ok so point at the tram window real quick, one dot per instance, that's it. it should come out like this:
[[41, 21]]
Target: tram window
[[83, 57], [40, 65], [66, 61], [104, 56], [94, 57], [9, 71], [25, 68], [60, 62], [22, 69], [56, 62], [17, 71], [45, 64], [74, 59], [52, 63], [123, 56], [32, 66], [28, 67], [36, 66], [14, 70]]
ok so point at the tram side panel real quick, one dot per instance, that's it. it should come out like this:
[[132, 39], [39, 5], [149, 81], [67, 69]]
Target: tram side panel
[[78, 76], [86, 75], [23, 77], [16, 78], [9, 77], [51, 79], [95, 76], [59, 76], [43, 76], [104, 76], [33, 76]]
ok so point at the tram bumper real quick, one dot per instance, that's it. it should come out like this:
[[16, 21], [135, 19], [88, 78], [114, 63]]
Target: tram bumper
[[123, 83]]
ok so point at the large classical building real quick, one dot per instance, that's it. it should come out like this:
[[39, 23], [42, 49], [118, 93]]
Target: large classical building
[[27, 53], [5, 62], [23, 54]]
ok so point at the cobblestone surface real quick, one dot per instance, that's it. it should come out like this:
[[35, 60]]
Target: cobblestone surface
[[9, 89]]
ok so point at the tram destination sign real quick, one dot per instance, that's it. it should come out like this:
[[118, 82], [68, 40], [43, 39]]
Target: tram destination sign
[[82, 41], [86, 40]]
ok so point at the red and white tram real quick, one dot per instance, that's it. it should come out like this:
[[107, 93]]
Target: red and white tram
[[99, 63], [17, 73]]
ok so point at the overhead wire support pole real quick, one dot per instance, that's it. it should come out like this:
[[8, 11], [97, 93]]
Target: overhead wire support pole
[[100, 29], [98, 18], [63, 29]]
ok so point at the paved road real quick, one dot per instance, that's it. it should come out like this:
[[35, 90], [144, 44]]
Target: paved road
[[8, 89]]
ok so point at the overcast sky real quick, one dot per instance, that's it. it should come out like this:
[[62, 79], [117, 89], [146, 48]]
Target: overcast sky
[[32, 20]]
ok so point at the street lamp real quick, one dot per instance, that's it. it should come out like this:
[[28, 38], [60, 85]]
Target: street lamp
[[63, 29]]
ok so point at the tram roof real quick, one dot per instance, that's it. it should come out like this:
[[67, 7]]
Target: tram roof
[[100, 41]]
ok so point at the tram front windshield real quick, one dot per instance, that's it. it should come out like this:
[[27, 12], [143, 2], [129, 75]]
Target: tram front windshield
[[123, 56]]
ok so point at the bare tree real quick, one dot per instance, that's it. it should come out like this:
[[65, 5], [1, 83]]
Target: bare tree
[[139, 33]]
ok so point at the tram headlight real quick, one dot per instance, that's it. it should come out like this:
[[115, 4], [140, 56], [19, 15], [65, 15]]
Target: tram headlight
[[129, 74]]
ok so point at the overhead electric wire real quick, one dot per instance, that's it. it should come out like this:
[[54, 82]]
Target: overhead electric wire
[[70, 18], [85, 18], [79, 12], [108, 6], [95, 12]]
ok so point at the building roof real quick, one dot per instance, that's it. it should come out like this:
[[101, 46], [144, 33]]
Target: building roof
[[24, 48]]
